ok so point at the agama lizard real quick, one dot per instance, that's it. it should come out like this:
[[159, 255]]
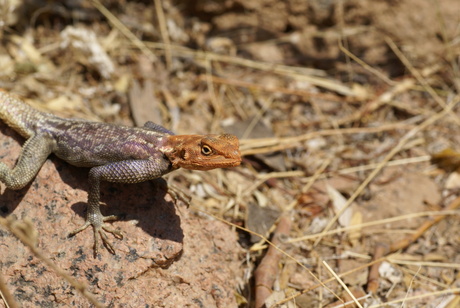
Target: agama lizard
[[115, 153]]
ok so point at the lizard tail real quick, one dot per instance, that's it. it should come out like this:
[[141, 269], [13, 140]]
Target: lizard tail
[[19, 116]]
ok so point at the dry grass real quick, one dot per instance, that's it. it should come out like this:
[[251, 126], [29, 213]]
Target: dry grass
[[318, 129]]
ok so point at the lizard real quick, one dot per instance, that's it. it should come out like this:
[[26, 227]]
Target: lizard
[[114, 153]]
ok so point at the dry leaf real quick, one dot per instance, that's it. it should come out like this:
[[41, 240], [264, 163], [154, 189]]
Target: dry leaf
[[453, 181], [260, 219], [390, 272], [447, 159], [338, 201], [144, 104], [92, 53]]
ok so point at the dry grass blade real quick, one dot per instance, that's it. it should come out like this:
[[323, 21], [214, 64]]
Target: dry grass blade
[[17, 228], [6, 295], [181, 51], [392, 163], [394, 259], [373, 223], [387, 158], [365, 65], [266, 145], [265, 88], [416, 74], [123, 29], [344, 286], [310, 182], [376, 103], [420, 296], [164, 32]]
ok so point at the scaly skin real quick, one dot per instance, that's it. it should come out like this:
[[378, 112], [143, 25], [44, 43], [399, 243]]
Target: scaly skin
[[114, 153]]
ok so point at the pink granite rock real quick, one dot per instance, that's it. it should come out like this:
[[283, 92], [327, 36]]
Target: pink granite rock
[[168, 256]]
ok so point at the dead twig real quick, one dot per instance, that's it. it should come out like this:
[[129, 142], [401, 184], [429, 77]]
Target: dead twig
[[267, 271], [373, 278]]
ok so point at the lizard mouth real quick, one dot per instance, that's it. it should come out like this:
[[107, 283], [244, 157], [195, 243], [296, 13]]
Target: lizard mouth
[[232, 160], [223, 162]]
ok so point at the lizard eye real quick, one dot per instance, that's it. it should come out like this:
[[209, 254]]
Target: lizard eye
[[206, 150]]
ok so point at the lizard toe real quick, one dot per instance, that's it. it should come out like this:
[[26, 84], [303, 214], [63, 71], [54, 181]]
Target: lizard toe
[[99, 230], [115, 232], [105, 241], [110, 218], [179, 195], [78, 230]]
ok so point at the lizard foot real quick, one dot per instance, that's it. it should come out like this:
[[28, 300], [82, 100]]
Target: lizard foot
[[99, 228], [178, 195]]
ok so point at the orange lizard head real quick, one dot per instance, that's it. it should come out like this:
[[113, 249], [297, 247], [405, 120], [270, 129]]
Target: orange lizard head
[[202, 152]]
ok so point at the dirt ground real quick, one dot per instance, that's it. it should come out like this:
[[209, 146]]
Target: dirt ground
[[348, 118]]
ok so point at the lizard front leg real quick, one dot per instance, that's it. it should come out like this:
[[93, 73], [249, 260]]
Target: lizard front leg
[[34, 154], [131, 171]]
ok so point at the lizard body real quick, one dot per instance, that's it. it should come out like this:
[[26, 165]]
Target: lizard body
[[115, 153]]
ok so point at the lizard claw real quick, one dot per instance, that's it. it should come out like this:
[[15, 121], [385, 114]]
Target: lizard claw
[[105, 239], [99, 229]]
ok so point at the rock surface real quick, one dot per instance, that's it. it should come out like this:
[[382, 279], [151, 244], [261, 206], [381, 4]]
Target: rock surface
[[168, 257]]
